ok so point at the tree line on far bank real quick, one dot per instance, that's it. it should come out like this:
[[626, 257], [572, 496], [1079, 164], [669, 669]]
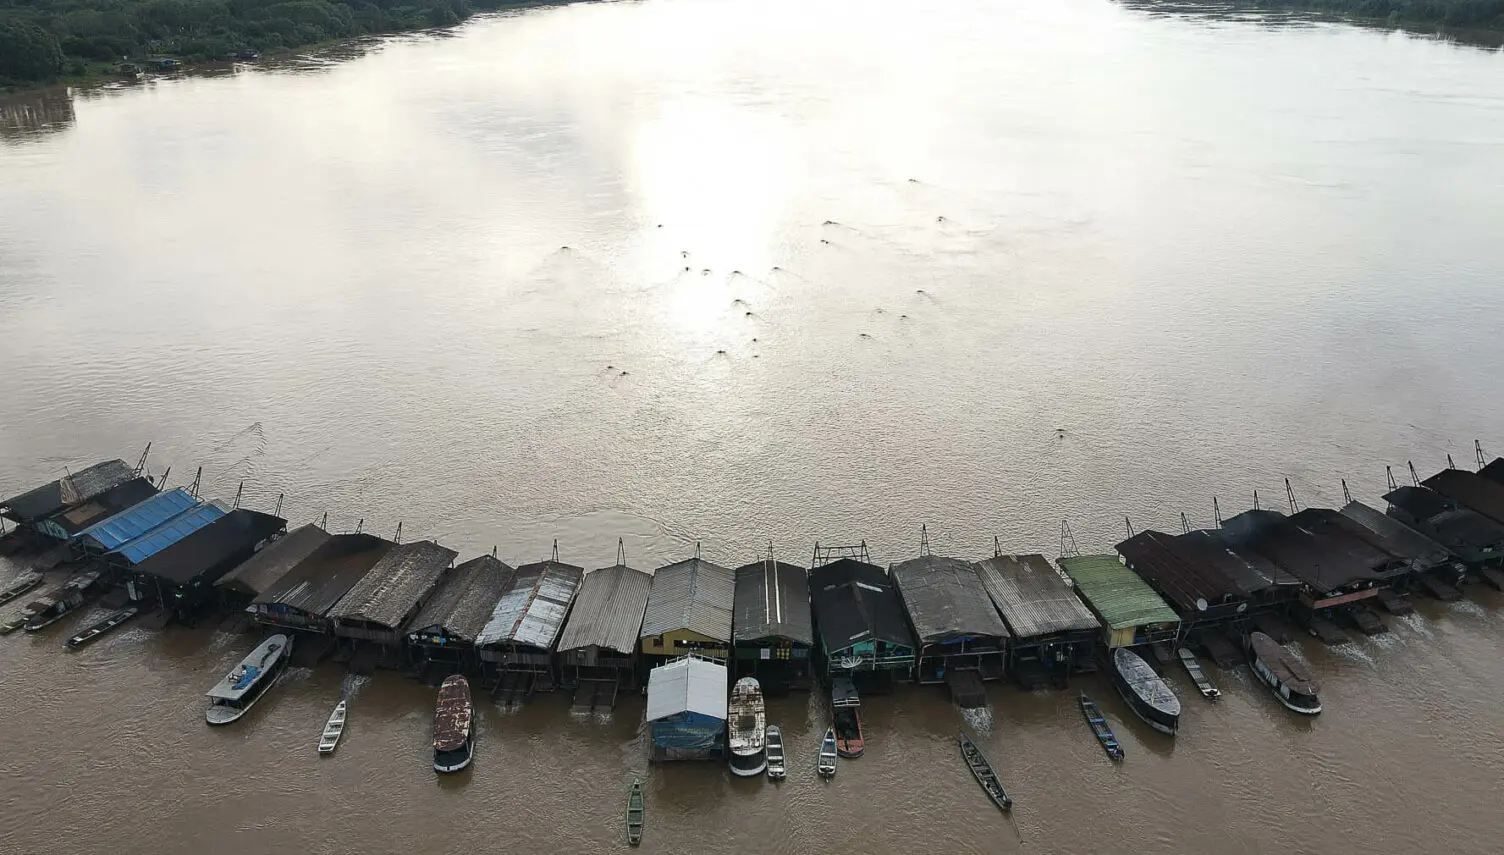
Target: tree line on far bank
[[1462, 14], [42, 40]]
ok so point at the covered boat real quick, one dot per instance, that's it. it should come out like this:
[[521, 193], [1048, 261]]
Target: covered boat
[[747, 721], [61, 602], [453, 732], [846, 705], [1145, 691], [1286, 676], [248, 681]]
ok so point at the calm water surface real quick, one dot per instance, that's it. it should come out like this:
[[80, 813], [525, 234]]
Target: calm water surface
[[728, 272]]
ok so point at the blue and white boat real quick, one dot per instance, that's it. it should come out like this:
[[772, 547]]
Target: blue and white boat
[[242, 687]]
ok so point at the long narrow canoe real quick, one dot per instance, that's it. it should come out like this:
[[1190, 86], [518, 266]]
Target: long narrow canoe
[[1198, 676], [92, 634], [982, 770], [634, 813], [827, 766], [1099, 726], [20, 585]]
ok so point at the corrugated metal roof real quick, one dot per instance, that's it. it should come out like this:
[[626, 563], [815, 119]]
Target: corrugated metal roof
[[687, 685], [277, 559], [772, 601], [64, 493], [103, 506], [403, 577], [694, 595], [1327, 562], [319, 581], [533, 606], [853, 601], [1034, 598], [130, 524], [1494, 471], [1470, 490], [211, 547], [1115, 592], [1405, 538], [170, 532], [1419, 502], [608, 611], [465, 598], [945, 599], [1177, 571]]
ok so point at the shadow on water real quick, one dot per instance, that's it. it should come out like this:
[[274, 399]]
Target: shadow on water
[[35, 115], [1274, 17]]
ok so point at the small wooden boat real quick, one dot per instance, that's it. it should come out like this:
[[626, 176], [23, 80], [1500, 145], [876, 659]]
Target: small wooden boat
[[453, 731], [980, 768], [746, 723], [18, 621], [20, 585], [774, 742], [92, 634], [1100, 727], [827, 766], [62, 601], [847, 706], [1145, 691], [1198, 676], [334, 728], [634, 813], [1283, 674], [247, 682]]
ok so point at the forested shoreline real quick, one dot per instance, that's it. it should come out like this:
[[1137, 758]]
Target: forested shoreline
[[46, 40], [1461, 14]]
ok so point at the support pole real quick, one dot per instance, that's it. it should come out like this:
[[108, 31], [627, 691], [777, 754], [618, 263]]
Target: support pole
[[1347, 496]]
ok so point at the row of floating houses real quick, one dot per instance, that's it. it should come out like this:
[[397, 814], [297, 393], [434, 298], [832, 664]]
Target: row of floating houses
[[930, 619]]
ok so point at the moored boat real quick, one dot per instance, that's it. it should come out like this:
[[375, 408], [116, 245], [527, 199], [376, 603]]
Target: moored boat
[[1145, 692], [61, 601], [1198, 676], [334, 728], [982, 770], [827, 764], [774, 740], [453, 730], [92, 634], [21, 584], [746, 722], [634, 813], [1286, 676], [231, 697], [847, 706], [18, 620], [1100, 727]]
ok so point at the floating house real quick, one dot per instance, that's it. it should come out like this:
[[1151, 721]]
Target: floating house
[[1334, 568], [959, 632], [860, 623], [181, 576], [68, 524], [1470, 490], [444, 633], [254, 576], [1052, 632], [686, 711], [597, 651], [34, 506], [517, 643], [1427, 554], [772, 631], [175, 511], [376, 610], [302, 598], [689, 611], [1477, 540], [1128, 609], [1203, 580]]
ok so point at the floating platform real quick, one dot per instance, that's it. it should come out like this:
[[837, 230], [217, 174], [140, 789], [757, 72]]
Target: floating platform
[[1437, 588], [1164, 654], [1220, 648], [1492, 577], [1394, 602], [966, 689], [1275, 627], [1325, 630], [594, 696], [310, 650], [513, 689], [1365, 619], [1031, 674]]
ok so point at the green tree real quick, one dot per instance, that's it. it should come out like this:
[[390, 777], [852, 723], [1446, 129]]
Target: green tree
[[28, 53]]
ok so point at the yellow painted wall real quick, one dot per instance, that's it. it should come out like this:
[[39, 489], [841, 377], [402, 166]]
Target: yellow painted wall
[[664, 645]]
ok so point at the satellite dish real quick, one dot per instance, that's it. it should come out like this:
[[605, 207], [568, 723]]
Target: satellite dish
[[1242, 607], [1200, 604]]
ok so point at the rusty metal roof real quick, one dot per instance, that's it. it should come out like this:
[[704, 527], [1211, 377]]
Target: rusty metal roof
[[403, 578], [945, 599], [608, 611], [452, 712], [274, 561], [772, 601], [465, 598], [320, 580], [533, 606], [694, 595], [1033, 597], [66, 492]]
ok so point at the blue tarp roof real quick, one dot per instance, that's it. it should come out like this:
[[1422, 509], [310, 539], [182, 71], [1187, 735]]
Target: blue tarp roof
[[133, 522], [168, 533]]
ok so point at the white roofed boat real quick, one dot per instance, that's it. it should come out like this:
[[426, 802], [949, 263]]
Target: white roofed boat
[[232, 696]]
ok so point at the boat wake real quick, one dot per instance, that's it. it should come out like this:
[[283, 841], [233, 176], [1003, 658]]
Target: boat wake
[[292, 675], [1467, 607], [1418, 622], [979, 719], [351, 685], [1356, 653]]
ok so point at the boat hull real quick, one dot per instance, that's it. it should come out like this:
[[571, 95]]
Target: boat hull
[[748, 766], [1272, 683], [449, 766], [1161, 720], [221, 714]]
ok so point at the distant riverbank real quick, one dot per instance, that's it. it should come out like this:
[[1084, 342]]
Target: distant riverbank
[[87, 41], [1457, 14]]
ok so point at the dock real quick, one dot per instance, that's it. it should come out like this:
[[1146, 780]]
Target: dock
[[1275, 627], [1220, 648], [1365, 619], [512, 689], [1434, 586], [1325, 630], [1492, 577], [966, 689], [1394, 602], [594, 696]]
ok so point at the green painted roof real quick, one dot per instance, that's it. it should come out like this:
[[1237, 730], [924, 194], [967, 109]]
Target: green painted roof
[[1117, 594]]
